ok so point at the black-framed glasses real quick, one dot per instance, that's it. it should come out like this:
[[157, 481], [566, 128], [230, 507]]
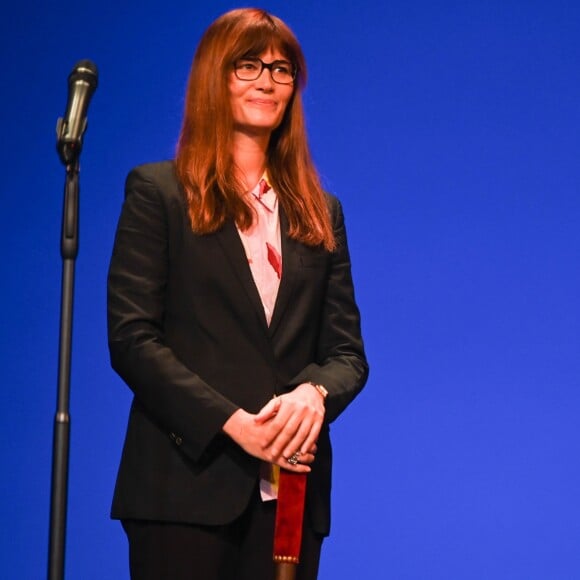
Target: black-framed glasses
[[250, 68]]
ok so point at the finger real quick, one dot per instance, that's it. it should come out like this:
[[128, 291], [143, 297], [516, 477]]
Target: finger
[[268, 411], [307, 434], [281, 445], [306, 458], [281, 430], [271, 433], [297, 443], [312, 437]]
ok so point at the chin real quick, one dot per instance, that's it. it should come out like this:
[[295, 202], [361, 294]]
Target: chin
[[259, 127]]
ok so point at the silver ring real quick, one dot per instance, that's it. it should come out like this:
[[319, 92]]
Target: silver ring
[[293, 459]]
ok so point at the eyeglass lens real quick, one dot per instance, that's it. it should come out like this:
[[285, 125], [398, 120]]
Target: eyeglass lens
[[249, 69]]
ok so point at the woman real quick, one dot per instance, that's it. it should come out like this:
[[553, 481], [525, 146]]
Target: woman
[[232, 318]]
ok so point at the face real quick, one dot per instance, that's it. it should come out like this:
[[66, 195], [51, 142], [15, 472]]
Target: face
[[258, 106]]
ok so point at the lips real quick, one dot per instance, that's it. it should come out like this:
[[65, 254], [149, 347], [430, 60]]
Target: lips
[[263, 102]]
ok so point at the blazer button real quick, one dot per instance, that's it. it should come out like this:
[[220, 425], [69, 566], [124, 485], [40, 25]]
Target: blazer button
[[178, 441]]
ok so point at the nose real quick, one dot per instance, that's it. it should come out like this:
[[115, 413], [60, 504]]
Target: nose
[[265, 81]]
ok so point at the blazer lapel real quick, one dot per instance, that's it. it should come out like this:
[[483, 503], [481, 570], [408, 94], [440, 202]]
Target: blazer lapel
[[290, 264], [233, 248]]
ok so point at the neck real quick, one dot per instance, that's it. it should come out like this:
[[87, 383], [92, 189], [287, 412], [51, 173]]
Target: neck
[[250, 157]]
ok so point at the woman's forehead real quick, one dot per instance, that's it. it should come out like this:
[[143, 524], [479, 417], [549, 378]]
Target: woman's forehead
[[265, 46], [271, 54]]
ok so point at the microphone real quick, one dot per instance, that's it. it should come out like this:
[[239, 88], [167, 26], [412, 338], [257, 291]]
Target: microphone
[[82, 83]]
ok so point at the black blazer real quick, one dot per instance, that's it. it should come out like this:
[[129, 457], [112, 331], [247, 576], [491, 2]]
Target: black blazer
[[187, 333]]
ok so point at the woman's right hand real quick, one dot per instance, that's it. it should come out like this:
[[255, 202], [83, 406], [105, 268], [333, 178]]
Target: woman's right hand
[[256, 436]]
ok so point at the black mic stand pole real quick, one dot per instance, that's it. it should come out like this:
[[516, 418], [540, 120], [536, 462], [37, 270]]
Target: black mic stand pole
[[61, 434]]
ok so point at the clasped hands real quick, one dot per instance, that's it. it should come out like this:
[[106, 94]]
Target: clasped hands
[[286, 426]]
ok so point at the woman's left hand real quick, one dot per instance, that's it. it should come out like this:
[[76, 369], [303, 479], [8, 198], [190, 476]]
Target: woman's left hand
[[294, 426]]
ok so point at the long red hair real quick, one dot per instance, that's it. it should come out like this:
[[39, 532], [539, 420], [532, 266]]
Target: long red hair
[[204, 159]]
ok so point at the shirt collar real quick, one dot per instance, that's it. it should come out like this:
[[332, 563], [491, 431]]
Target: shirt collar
[[264, 194]]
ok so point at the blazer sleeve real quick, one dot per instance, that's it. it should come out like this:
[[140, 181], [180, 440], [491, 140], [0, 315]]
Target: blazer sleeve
[[341, 364], [178, 400]]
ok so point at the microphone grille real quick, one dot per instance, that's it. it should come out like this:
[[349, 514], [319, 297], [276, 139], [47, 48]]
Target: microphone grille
[[85, 70]]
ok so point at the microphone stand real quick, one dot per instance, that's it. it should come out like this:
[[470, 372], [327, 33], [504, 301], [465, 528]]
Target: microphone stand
[[61, 433]]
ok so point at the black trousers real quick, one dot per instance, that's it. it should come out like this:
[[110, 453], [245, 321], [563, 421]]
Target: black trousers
[[241, 550]]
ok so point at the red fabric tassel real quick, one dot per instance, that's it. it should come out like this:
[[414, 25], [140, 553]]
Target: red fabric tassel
[[289, 516]]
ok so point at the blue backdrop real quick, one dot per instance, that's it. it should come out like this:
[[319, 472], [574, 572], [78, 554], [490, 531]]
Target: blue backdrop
[[450, 130]]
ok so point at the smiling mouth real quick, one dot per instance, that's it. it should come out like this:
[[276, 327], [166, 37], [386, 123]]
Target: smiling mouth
[[263, 102]]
